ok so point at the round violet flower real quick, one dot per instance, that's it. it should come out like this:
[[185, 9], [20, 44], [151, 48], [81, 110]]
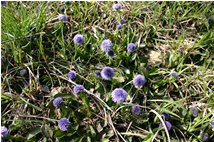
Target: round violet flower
[[79, 39], [174, 74], [118, 26], [62, 9], [107, 73], [166, 115], [194, 111], [139, 80], [57, 101], [78, 88], [67, 2], [119, 95], [210, 19], [122, 21], [205, 137], [136, 109], [111, 53], [106, 45], [62, 17], [117, 6], [63, 124], [131, 47], [72, 74], [3, 3], [97, 73], [4, 132], [168, 125]]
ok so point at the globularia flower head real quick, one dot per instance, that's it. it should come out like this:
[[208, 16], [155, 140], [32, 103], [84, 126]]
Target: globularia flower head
[[118, 26], [72, 74], [97, 73], [57, 101], [4, 132], [111, 53], [67, 2], [166, 115], [119, 95], [78, 88], [139, 80], [117, 6], [3, 3], [79, 39], [174, 74], [62, 9], [107, 73], [131, 47], [106, 45], [194, 111], [205, 136], [210, 19], [62, 17], [136, 109], [122, 21], [63, 124], [168, 125]]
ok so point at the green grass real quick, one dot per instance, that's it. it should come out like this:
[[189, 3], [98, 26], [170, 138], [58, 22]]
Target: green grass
[[169, 36]]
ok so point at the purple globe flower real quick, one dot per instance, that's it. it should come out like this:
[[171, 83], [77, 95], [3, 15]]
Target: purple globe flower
[[62, 9], [107, 73], [57, 101], [3, 3], [119, 95], [131, 47], [63, 124], [4, 132], [166, 115], [117, 6], [62, 17], [212, 124], [72, 74], [210, 19], [136, 109], [205, 137], [122, 21], [174, 74], [168, 125], [79, 39], [118, 26], [67, 2], [111, 53], [139, 80], [97, 73], [78, 88], [194, 111], [106, 45]]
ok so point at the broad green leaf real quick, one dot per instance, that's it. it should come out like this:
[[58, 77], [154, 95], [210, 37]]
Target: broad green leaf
[[33, 132]]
